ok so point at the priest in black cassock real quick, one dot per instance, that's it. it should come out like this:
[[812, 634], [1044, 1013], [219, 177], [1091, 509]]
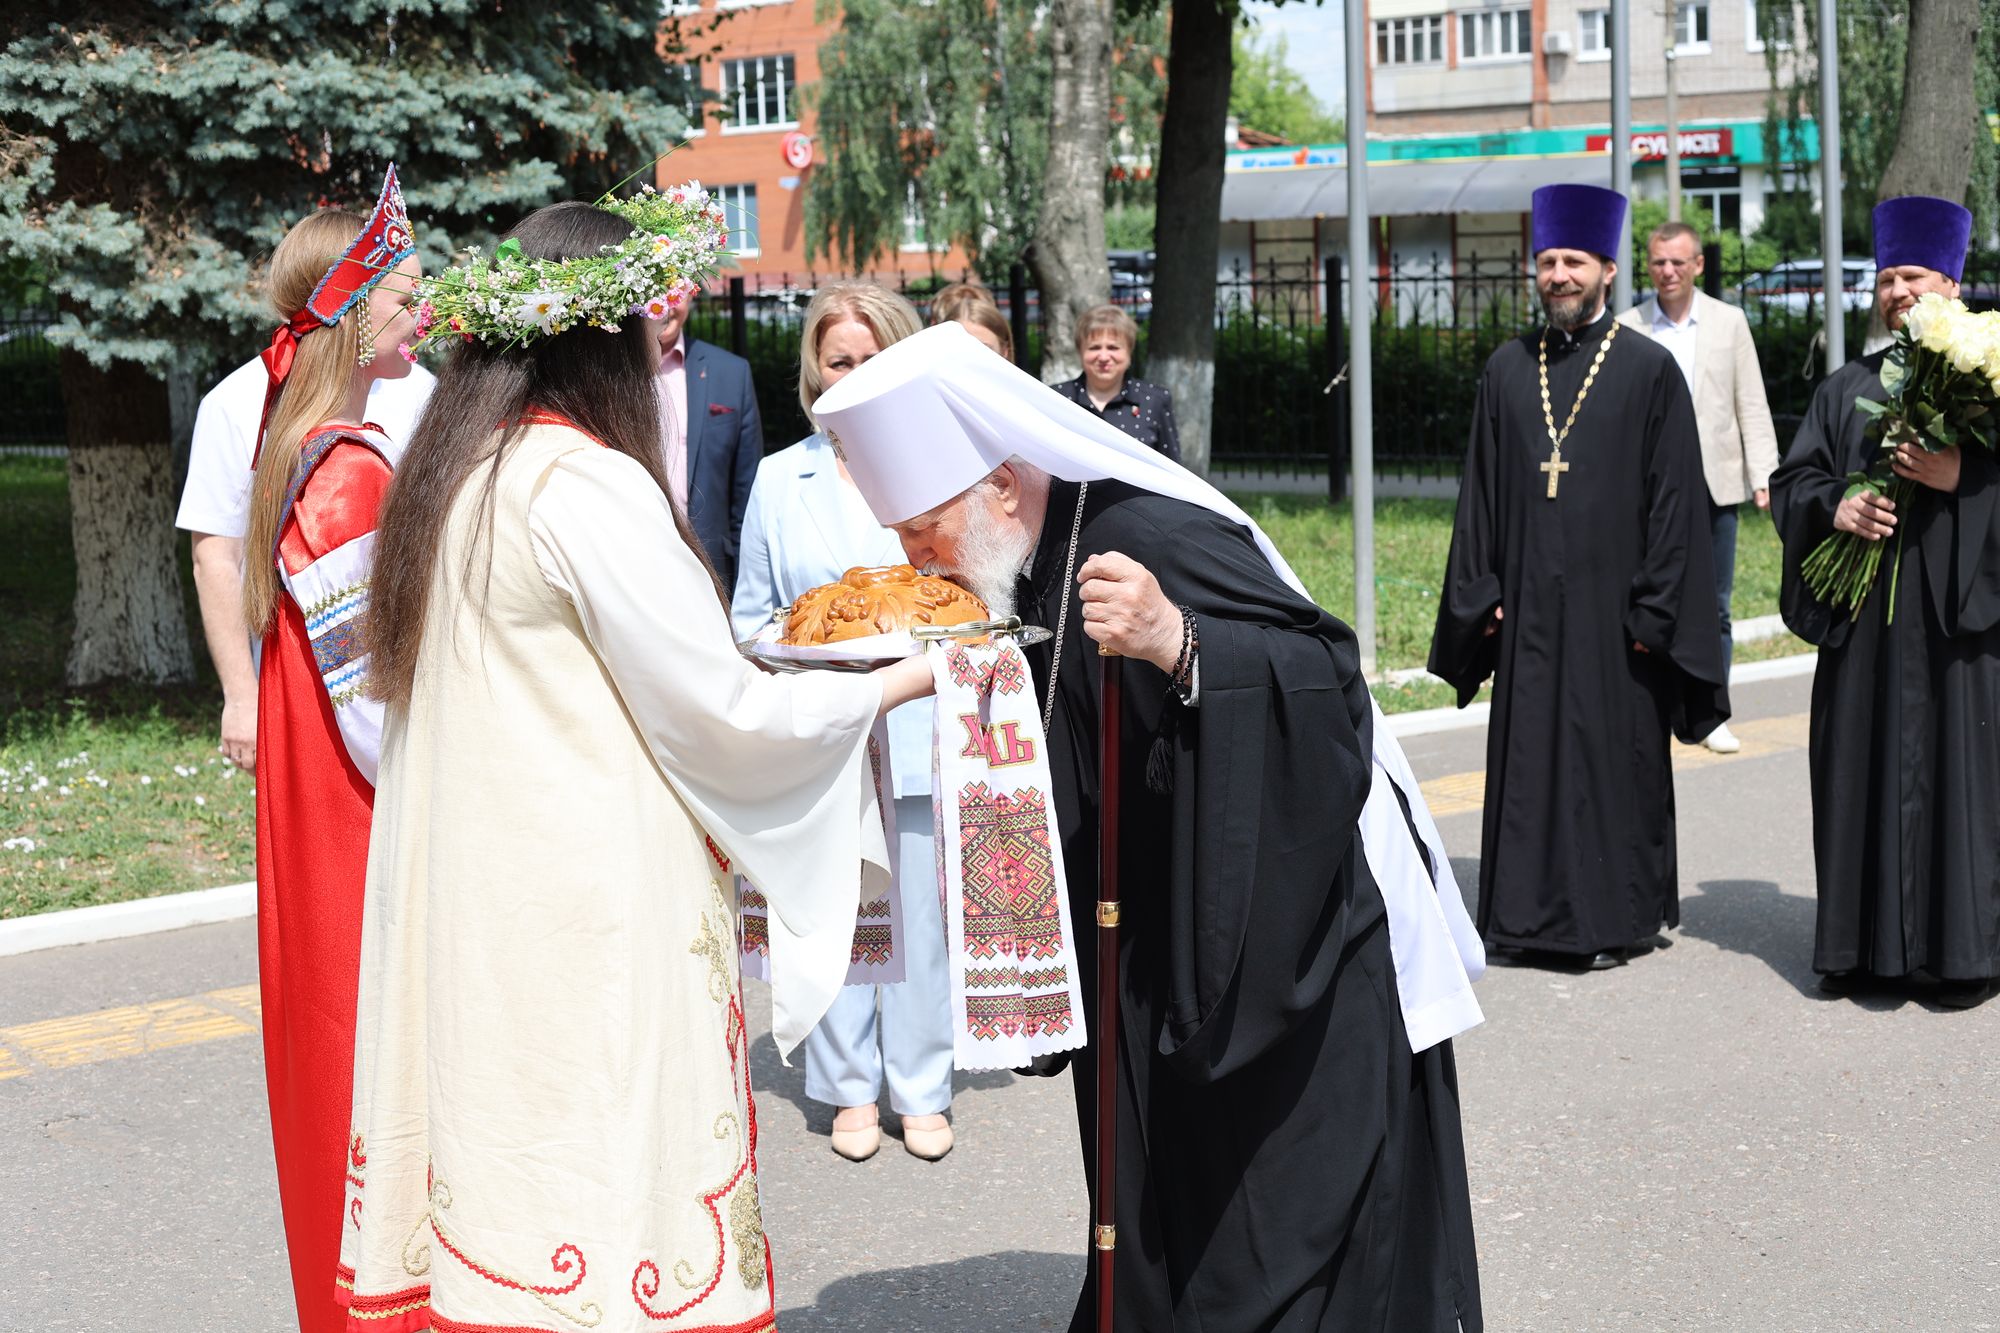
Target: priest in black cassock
[[1289, 1145], [1905, 716], [1580, 580]]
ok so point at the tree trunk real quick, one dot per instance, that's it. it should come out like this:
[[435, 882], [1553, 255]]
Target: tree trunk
[[1071, 268], [1181, 344], [1940, 105], [130, 621]]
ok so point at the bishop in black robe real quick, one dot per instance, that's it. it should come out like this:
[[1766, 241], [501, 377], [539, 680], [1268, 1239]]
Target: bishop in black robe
[[1284, 1160], [1905, 716], [1577, 848]]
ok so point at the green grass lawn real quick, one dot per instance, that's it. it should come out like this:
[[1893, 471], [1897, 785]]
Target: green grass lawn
[[117, 793], [105, 794]]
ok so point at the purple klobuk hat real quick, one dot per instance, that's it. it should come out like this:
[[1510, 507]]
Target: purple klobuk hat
[[1917, 229], [1578, 217]]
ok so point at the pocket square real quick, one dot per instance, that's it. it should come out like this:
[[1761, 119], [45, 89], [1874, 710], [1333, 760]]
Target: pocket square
[[720, 409]]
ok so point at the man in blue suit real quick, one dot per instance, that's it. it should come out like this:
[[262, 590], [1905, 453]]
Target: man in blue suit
[[713, 436]]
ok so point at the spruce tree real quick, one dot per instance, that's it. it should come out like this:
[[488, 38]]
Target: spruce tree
[[152, 152]]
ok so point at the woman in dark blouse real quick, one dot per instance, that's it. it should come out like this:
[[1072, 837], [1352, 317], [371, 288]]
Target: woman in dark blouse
[[1105, 337]]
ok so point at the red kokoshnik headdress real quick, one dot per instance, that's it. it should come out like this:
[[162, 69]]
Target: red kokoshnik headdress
[[385, 242]]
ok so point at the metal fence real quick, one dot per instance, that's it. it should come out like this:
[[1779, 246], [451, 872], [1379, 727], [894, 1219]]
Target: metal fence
[[33, 421], [1280, 405]]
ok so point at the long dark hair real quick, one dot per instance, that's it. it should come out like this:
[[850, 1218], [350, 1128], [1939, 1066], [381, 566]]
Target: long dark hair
[[602, 381]]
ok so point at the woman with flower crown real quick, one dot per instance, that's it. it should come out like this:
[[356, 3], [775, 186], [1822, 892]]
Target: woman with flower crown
[[342, 285], [553, 1126]]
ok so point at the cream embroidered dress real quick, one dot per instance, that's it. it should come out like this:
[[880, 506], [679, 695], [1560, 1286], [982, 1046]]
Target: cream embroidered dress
[[553, 1127]]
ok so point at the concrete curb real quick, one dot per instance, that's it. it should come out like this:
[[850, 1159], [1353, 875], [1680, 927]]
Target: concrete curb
[[117, 921], [1433, 720]]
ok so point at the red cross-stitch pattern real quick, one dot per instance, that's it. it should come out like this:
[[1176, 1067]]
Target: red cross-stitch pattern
[[1010, 672], [1010, 874], [966, 672]]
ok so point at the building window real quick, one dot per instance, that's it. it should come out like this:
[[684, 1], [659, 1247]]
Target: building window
[[918, 233], [1691, 26], [1495, 34], [758, 93], [1781, 24], [739, 215], [687, 95], [1418, 41], [1593, 34], [1720, 190]]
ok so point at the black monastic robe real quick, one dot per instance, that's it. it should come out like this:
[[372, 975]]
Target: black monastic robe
[[1284, 1161], [1905, 716], [1577, 849]]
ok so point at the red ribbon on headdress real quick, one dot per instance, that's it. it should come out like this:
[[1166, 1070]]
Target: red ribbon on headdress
[[277, 359]]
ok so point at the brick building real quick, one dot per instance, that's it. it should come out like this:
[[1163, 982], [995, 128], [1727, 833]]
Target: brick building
[[752, 143]]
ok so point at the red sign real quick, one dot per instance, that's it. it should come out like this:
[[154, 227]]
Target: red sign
[[1651, 145], [798, 150]]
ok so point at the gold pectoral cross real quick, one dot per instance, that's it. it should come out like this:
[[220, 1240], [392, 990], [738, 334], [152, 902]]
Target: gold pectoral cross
[[1555, 467]]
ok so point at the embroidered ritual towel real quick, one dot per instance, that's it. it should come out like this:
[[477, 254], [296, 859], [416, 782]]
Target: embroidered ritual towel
[[1015, 993], [876, 959]]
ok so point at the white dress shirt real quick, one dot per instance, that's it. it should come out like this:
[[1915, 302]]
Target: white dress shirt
[[1677, 338]]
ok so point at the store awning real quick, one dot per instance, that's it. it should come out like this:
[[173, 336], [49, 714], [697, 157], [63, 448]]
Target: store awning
[[1407, 189]]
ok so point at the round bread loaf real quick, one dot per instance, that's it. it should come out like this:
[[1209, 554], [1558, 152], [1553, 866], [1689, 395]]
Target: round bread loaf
[[878, 599]]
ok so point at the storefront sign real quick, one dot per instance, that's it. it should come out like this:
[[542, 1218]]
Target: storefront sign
[[797, 149], [1269, 159], [1651, 145]]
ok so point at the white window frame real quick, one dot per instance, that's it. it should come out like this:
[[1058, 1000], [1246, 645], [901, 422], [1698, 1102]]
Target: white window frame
[[1492, 24], [1600, 19], [676, 9], [1411, 30], [1753, 41], [914, 242], [740, 203], [697, 122], [736, 95], [748, 4], [1684, 22]]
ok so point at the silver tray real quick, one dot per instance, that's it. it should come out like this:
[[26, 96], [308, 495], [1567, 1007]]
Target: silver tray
[[764, 649]]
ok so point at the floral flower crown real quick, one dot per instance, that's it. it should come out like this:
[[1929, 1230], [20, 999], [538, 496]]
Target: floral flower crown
[[677, 242]]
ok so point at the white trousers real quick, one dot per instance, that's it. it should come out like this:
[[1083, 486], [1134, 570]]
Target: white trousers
[[909, 1038]]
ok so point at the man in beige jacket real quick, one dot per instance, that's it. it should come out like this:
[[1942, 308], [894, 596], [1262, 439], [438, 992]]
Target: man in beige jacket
[[1710, 341]]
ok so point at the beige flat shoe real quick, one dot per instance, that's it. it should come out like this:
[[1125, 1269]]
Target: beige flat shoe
[[927, 1136], [860, 1142]]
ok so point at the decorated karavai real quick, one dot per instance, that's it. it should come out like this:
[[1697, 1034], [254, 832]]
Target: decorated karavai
[[677, 243]]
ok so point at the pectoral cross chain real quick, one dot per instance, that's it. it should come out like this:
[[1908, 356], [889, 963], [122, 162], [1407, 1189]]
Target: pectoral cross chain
[[1555, 467]]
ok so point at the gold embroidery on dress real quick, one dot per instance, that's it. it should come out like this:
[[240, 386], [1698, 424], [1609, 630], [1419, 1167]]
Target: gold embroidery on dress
[[567, 1261], [709, 945], [746, 1228]]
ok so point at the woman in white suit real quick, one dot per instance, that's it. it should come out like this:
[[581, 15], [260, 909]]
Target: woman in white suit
[[805, 526]]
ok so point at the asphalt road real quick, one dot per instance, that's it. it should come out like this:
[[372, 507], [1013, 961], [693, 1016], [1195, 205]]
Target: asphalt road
[[1697, 1141]]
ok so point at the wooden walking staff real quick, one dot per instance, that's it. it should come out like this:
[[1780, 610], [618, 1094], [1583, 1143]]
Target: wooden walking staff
[[1104, 1235]]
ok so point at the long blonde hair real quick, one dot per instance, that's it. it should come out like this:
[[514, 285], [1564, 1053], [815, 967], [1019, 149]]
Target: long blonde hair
[[888, 316], [322, 374]]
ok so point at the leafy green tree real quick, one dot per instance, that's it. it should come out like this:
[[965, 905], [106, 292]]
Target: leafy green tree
[[152, 153], [940, 110], [1266, 93]]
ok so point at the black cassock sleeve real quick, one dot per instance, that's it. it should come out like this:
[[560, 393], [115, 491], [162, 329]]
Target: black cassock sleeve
[[1270, 771], [1462, 652], [1962, 547], [1672, 610], [1805, 490]]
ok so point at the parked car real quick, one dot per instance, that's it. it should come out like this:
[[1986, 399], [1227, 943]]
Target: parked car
[[1797, 284]]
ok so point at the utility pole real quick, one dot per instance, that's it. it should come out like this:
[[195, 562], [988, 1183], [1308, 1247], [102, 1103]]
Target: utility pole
[[1621, 141], [1833, 281], [1673, 116], [1360, 319]]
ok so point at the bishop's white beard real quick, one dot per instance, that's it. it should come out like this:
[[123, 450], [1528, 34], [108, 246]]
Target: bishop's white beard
[[991, 555]]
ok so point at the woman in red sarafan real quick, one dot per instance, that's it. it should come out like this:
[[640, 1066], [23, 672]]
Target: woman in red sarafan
[[341, 284]]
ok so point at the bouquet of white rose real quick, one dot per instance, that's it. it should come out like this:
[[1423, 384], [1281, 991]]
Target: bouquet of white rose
[[1942, 375]]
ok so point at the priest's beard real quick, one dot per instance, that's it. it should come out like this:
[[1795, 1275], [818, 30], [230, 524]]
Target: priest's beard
[[1572, 305], [991, 555]]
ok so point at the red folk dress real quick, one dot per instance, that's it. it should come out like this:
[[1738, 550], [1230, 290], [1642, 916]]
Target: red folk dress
[[318, 739]]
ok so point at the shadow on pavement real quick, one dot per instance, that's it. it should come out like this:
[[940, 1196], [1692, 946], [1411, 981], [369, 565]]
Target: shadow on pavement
[[770, 1077], [1753, 917], [1465, 869], [1014, 1290]]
